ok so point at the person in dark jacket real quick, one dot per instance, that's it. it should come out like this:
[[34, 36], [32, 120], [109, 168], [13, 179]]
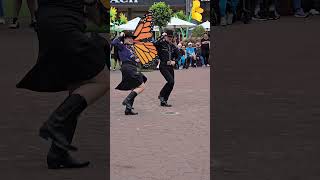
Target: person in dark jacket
[[205, 48], [169, 55], [132, 80], [199, 57], [71, 61]]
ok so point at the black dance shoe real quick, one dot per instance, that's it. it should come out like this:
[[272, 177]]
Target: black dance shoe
[[130, 112], [60, 161], [163, 102]]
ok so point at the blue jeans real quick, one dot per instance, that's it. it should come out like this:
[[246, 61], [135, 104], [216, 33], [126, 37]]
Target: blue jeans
[[183, 61], [1, 9], [223, 6], [296, 4], [202, 60]]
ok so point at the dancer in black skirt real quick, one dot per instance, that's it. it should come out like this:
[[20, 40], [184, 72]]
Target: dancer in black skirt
[[132, 80], [68, 61], [168, 54]]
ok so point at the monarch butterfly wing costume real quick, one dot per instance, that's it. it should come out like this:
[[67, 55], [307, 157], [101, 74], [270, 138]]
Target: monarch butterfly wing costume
[[143, 48]]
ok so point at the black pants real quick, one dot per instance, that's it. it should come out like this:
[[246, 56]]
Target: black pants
[[168, 73], [206, 58], [187, 63]]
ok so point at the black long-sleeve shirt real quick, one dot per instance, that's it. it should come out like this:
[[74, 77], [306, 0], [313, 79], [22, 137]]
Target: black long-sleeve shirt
[[166, 51]]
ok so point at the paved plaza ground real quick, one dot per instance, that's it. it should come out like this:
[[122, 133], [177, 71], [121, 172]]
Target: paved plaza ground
[[163, 143], [265, 91]]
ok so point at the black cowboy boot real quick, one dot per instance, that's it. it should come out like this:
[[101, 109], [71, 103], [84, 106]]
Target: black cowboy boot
[[131, 103], [59, 158], [129, 111], [54, 128], [163, 102], [127, 101]]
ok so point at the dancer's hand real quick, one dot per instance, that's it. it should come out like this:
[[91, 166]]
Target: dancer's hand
[[137, 60], [173, 63]]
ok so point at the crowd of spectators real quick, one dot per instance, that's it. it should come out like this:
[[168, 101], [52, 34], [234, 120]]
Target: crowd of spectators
[[194, 52], [261, 10]]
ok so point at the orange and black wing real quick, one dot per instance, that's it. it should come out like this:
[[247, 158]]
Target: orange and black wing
[[144, 28], [145, 51]]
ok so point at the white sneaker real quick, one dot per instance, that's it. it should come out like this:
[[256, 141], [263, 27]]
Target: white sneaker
[[223, 21], [2, 21], [314, 12], [230, 19]]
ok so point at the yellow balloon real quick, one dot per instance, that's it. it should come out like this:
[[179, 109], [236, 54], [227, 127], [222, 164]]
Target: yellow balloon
[[196, 4], [197, 16], [199, 10]]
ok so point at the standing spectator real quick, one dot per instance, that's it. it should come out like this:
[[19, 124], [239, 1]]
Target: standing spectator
[[311, 6], [32, 5], [199, 58], [2, 21], [205, 48], [227, 18], [298, 10], [269, 11]]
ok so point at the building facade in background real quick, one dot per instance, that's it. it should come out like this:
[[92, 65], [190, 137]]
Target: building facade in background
[[137, 8]]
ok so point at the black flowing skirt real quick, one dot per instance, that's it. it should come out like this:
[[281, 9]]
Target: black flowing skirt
[[131, 78], [67, 56]]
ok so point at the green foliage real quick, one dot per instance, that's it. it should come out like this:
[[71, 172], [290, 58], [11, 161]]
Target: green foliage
[[116, 19], [162, 14], [198, 31], [113, 14], [181, 15], [123, 19]]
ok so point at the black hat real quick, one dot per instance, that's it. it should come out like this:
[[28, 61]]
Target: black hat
[[129, 34], [169, 32]]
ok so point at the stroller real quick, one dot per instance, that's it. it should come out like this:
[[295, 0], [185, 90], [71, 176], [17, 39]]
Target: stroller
[[244, 13]]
